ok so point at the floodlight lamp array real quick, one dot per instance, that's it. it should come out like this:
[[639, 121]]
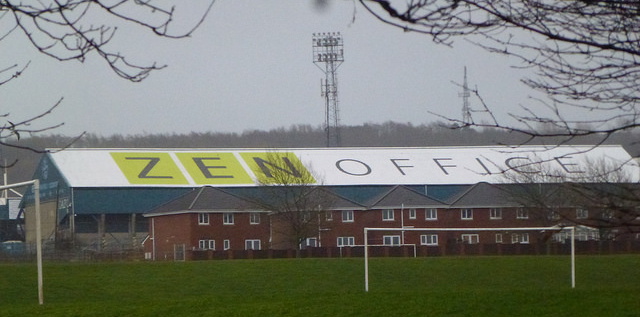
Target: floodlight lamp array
[[327, 47]]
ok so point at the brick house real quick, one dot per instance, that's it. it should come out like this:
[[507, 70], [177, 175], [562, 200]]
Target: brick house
[[203, 224]]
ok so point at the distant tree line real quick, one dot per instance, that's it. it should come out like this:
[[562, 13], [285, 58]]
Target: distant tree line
[[387, 134]]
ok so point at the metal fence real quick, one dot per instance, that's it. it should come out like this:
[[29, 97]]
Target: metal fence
[[456, 249]]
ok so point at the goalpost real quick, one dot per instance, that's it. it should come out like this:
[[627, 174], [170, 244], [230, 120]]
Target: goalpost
[[36, 190], [554, 228]]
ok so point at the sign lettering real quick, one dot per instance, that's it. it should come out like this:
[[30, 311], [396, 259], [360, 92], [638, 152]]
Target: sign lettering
[[367, 168], [278, 167], [214, 168], [399, 167], [149, 168], [340, 167], [442, 166]]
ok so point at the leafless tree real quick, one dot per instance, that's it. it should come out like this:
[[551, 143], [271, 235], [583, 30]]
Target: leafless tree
[[74, 29], [585, 54], [12, 130], [604, 196], [69, 30], [293, 195]]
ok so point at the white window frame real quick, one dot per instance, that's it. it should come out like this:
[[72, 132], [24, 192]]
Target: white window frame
[[522, 238], [431, 214], [328, 215], [306, 215], [203, 219], [202, 244], [429, 239], [347, 216], [226, 244], [607, 214], [522, 213], [250, 244], [412, 213], [498, 237], [495, 213], [211, 244], [582, 213], [309, 243], [346, 241], [466, 214], [254, 218], [388, 215], [470, 238], [391, 240], [228, 218]]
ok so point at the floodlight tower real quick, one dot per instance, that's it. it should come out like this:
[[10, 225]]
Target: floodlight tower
[[465, 94], [328, 55]]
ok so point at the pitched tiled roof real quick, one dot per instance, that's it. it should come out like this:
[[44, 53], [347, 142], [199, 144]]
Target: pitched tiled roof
[[484, 195], [204, 199], [401, 196]]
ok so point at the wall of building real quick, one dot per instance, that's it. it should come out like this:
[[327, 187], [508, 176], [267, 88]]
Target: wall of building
[[172, 230], [48, 221], [165, 233]]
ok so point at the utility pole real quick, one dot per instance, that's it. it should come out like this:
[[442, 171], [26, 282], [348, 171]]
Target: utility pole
[[328, 55]]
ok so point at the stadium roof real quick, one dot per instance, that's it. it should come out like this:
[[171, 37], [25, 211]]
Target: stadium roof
[[331, 166]]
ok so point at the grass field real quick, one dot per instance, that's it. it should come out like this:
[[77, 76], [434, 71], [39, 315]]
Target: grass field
[[450, 286]]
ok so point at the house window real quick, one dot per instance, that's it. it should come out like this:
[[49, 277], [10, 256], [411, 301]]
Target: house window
[[520, 238], [412, 213], [328, 216], [227, 218], [347, 216], [466, 214], [254, 218], [206, 244], [522, 213], [607, 214], [309, 243], [555, 213], [495, 213], [203, 219], [582, 213], [391, 240], [470, 238], [252, 244], [429, 239], [498, 237], [431, 214], [226, 244], [346, 241], [387, 215]]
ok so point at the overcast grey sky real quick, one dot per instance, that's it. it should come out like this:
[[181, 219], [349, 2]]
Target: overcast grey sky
[[249, 66]]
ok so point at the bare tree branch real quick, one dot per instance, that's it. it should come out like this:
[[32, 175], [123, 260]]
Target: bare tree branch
[[293, 195], [586, 54], [73, 29]]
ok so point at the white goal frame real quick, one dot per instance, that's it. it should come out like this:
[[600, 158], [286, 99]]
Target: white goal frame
[[36, 191], [553, 228]]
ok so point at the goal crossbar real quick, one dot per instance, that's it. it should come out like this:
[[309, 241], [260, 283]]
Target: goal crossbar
[[553, 228]]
